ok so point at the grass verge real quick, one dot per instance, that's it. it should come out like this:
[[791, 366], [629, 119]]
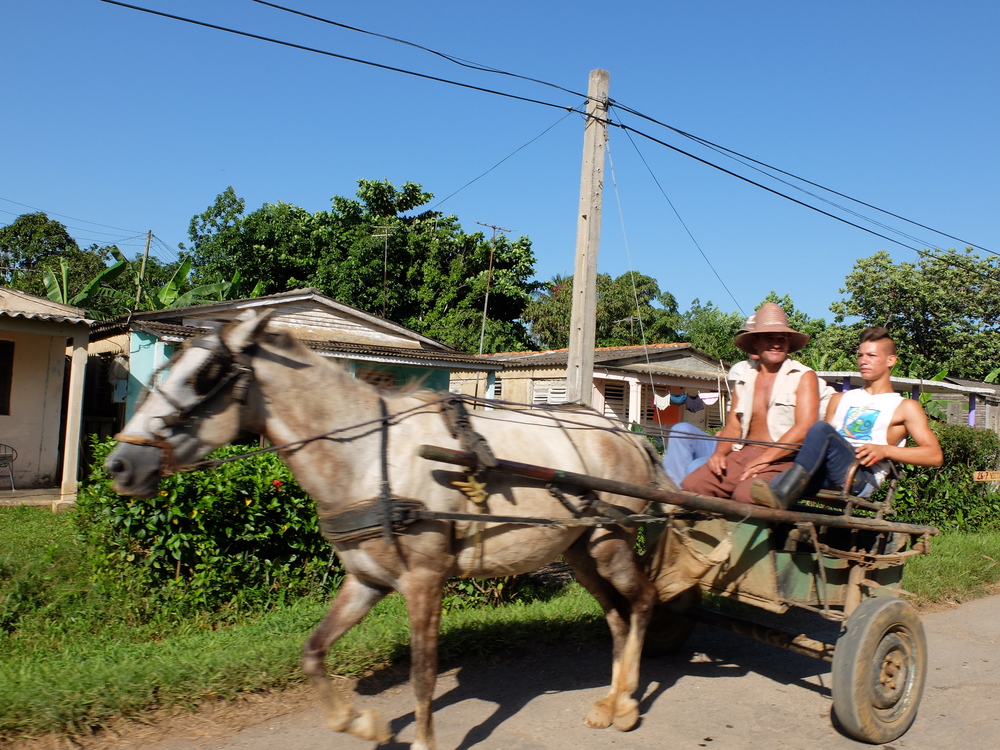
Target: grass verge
[[70, 658]]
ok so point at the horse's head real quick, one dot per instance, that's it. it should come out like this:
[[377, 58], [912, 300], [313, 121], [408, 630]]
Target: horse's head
[[197, 408]]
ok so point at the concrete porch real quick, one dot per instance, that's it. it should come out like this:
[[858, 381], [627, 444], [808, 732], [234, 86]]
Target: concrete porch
[[44, 497]]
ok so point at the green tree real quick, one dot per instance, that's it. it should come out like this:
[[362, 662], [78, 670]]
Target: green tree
[[372, 252], [943, 311], [707, 328], [630, 310], [34, 243]]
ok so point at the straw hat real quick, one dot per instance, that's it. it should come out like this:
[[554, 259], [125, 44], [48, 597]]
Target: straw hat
[[770, 318], [748, 325]]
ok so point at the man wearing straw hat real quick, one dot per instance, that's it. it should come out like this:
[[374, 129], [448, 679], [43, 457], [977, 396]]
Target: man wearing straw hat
[[774, 403]]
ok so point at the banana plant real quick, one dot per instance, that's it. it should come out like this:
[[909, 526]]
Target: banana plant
[[57, 287]]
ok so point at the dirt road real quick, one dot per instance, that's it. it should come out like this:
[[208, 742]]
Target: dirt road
[[722, 692]]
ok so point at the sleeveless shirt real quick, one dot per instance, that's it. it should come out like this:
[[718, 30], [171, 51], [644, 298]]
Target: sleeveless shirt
[[862, 417]]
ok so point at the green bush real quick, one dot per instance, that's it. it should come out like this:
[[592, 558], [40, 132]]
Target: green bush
[[244, 533], [947, 496]]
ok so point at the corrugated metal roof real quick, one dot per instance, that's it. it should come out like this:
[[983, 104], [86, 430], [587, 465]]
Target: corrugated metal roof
[[602, 354], [120, 324], [903, 384], [343, 350], [44, 316]]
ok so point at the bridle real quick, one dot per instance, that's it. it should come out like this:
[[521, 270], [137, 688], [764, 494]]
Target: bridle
[[235, 369]]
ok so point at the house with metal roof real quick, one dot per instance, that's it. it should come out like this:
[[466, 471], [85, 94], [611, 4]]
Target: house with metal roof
[[626, 378], [127, 350], [43, 355]]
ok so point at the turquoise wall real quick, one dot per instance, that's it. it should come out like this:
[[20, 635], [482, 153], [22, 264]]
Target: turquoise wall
[[146, 353]]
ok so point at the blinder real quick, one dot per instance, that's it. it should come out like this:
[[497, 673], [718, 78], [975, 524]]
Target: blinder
[[220, 370]]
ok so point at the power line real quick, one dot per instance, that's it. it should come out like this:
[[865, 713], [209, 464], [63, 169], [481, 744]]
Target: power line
[[51, 213], [305, 48], [683, 223], [708, 144], [519, 148], [550, 104], [730, 152], [451, 58]]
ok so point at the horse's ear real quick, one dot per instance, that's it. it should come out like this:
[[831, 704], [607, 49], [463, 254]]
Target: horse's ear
[[251, 325]]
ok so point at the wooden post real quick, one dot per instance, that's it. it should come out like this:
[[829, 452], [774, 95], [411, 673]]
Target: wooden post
[[582, 335], [142, 269]]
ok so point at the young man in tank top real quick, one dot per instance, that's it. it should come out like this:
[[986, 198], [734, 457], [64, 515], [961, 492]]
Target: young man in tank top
[[867, 426]]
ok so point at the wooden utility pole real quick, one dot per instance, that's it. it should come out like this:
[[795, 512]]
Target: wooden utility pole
[[386, 232], [142, 269], [489, 277], [583, 328]]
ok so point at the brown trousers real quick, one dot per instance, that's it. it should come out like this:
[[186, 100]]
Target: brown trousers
[[704, 482]]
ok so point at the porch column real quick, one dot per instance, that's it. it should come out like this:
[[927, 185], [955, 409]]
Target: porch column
[[74, 412]]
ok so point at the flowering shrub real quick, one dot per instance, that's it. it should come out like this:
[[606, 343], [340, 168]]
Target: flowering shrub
[[244, 533], [947, 496]]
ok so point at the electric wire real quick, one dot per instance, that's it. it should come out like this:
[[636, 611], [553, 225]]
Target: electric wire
[[451, 58], [684, 224], [73, 218], [730, 153], [722, 149], [729, 172], [553, 105], [628, 259], [336, 55], [519, 148]]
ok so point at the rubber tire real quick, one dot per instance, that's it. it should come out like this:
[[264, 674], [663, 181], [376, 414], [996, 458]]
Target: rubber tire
[[880, 628], [668, 630]]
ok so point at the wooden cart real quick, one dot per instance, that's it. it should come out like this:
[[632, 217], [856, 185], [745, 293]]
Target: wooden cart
[[821, 556]]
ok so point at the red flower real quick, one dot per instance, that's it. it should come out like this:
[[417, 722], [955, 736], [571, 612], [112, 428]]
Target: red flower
[[276, 483]]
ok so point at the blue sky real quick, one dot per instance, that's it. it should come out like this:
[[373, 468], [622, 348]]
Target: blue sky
[[117, 122]]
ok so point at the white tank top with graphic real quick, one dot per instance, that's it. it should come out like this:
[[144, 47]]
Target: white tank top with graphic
[[862, 417]]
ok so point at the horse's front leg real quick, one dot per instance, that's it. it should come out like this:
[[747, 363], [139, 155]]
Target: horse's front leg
[[353, 602], [424, 591], [606, 565]]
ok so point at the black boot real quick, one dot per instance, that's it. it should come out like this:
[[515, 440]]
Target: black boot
[[783, 490]]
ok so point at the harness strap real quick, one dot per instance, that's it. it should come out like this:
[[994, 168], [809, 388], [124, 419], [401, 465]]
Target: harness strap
[[456, 416], [365, 520], [168, 462], [385, 495]]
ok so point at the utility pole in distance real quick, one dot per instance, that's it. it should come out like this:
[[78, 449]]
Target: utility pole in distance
[[386, 232], [489, 276], [142, 269], [583, 327]]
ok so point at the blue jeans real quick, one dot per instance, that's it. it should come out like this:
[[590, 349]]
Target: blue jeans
[[827, 456], [687, 449]]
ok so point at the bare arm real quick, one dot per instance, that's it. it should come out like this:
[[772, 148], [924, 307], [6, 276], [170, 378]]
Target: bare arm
[[717, 461], [926, 452], [831, 407], [806, 410]]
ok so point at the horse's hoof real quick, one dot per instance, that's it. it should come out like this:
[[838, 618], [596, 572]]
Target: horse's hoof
[[627, 716], [599, 717], [369, 725]]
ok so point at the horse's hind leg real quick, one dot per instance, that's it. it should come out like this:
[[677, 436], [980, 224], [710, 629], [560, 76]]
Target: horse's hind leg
[[352, 603], [605, 564]]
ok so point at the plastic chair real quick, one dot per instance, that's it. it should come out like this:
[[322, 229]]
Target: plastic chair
[[7, 458]]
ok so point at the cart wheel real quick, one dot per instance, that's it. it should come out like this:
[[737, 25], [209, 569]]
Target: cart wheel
[[879, 666], [668, 629]]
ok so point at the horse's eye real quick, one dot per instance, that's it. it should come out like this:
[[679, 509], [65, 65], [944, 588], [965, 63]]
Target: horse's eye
[[203, 380]]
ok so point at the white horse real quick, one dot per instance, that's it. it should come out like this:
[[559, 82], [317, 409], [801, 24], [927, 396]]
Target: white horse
[[353, 448]]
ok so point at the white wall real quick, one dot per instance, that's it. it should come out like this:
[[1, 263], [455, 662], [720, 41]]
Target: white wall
[[32, 427]]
